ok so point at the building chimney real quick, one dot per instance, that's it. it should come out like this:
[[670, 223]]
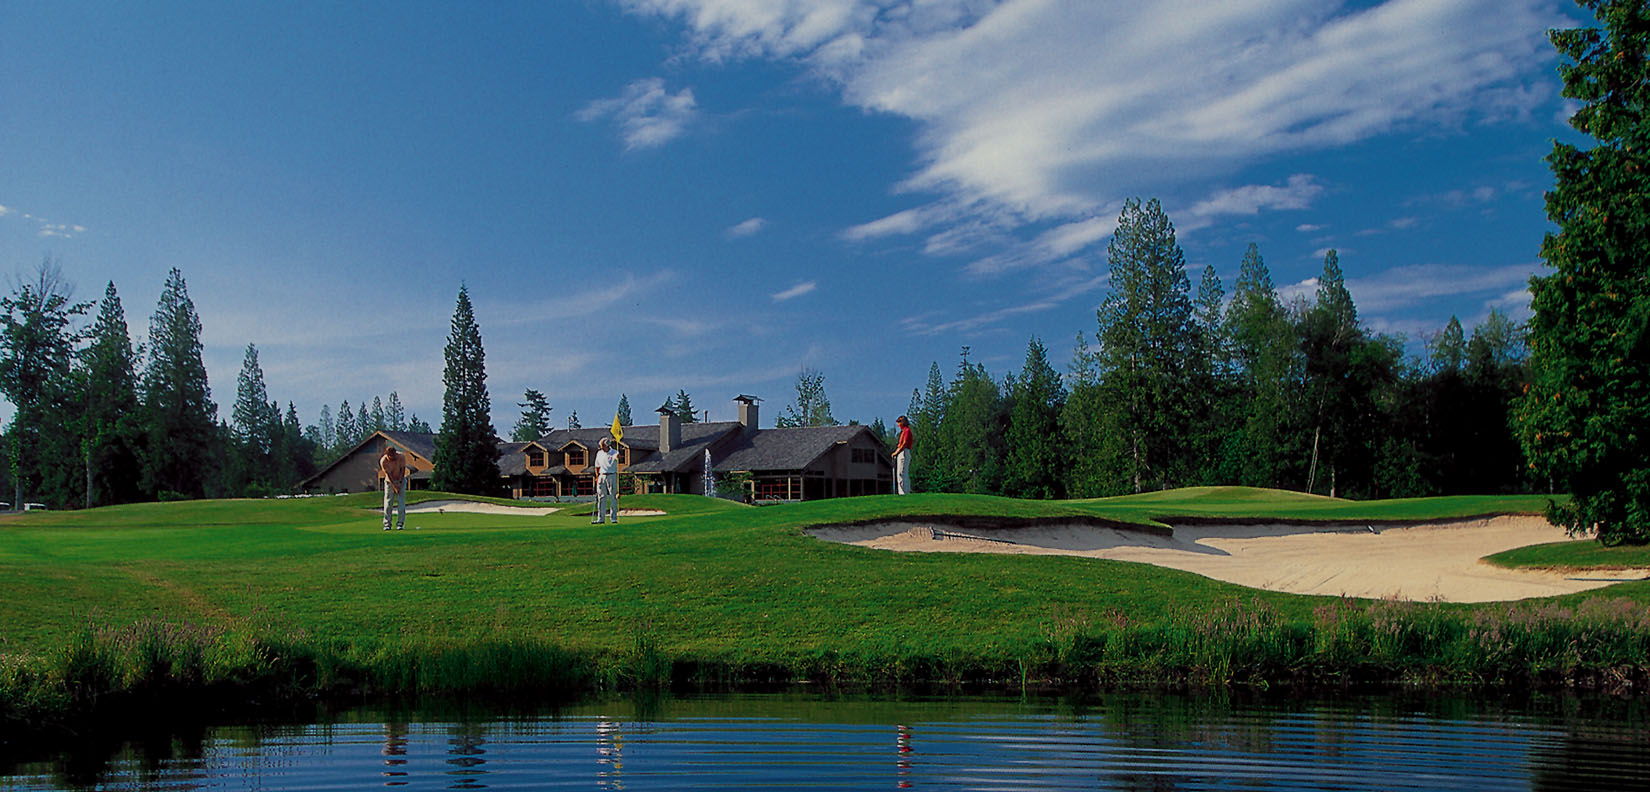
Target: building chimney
[[670, 429], [748, 412]]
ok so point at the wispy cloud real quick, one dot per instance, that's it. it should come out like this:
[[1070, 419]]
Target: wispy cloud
[[1401, 287], [648, 115], [747, 228], [1295, 193], [1036, 112], [795, 291], [45, 228]]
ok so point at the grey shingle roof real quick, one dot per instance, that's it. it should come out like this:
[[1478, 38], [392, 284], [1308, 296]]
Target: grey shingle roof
[[419, 443], [782, 449]]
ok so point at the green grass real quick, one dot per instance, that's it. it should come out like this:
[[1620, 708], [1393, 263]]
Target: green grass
[[311, 594], [1574, 556]]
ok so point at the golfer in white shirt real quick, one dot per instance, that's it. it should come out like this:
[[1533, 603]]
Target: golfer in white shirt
[[607, 483]]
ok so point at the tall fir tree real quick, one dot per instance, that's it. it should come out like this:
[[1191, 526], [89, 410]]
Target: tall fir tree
[[466, 447], [683, 406], [969, 441], [363, 423], [1093, 454], [573, 420], [379, 421], [1033, 438], [1147, 343], [346, 429], [1263, 351], [1330, 338], [326, 434], [535, 417], [254, 430], [180, 415], [927, 475], [37, 346], [395, 416], [812, 407], [622, 412], [113, 425]]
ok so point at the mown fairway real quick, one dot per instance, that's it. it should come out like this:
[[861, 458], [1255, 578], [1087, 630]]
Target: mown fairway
[[711, 579]]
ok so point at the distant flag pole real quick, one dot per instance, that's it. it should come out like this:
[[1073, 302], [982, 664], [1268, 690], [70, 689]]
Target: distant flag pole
[[618, 430]]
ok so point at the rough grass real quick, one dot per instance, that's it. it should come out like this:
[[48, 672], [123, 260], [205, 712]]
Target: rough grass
[[308, 595]]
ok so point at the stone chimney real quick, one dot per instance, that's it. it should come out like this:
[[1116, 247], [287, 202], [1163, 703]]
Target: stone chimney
[[670, 429], [748, 412]]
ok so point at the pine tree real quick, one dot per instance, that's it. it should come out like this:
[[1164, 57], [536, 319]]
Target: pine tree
[[379, 422], [1447, 350], [622, 413], [927, 474], [466, 448], [326, 434], [180, 416], [363, 423], [113, 427], [812, 407], [1033, 439], [1263, 354], [248, 420], [1147, 341], [573, 420], [683, 405], [36, 355], [395, 416], [1329, 337], [970, 437], [419, 425], [535, 417], [1093, 453], [346, 429]]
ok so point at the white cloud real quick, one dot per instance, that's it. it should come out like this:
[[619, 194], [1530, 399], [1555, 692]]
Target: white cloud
[[648, 115], [1307, 228], [4, 211], [747, 228], [1402, 287], [795, 291], [1036, 112], [1295, 193], [907, 222]]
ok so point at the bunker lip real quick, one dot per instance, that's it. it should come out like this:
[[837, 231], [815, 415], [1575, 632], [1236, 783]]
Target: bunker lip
[[1420, 560]]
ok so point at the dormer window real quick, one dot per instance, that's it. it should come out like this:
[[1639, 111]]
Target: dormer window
[[535, 457], [575, 457]]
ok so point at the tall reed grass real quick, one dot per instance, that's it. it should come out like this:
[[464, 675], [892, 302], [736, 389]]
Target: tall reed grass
[[1596, 643]]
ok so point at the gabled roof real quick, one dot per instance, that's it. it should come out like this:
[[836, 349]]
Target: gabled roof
[[784, 449], [420, 443]]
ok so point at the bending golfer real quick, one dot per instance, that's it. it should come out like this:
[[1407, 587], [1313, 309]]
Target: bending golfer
[[394, 470], [607, 483]]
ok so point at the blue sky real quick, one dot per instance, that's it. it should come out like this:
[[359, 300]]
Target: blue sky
[[651, 195]]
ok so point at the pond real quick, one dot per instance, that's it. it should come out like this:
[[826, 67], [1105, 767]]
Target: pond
[[1122, 741]]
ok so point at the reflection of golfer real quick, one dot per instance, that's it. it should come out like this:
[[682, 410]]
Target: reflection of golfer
[[902, 458], [607, 483], [394, 470]]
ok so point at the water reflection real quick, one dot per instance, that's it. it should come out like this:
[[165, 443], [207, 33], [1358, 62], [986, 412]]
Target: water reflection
[[1113, 742]]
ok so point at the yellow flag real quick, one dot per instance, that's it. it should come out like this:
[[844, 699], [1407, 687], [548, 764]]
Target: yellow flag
[[618, 431]]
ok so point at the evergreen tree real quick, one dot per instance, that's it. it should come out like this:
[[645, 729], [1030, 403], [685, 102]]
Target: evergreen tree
[[395, 416], [253, 432], [249, 418], [927, 474], [1213, 430], [363, 423], [379, 422], [416, 424], [1034, 455], [683, 405], [535, 417], [970, 437], [573, 420], [466, 448], [1263, 349], [812, 407], [1093, 454], [1330, 337], [346, 430], [180, 416], [622, 414], [1147, 343], [36, 355], [113, 425], [326, 434], [1447, 351]]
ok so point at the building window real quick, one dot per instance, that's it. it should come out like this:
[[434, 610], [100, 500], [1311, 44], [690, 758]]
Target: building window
[[544, 487], [862, 456], [575, 457], [535, 458], [774, 489], [579, 485]]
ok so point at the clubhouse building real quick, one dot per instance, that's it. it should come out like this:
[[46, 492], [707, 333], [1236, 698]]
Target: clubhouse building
[[768, 465]]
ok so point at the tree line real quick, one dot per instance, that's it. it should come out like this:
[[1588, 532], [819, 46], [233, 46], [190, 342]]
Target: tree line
[[1177, 386]]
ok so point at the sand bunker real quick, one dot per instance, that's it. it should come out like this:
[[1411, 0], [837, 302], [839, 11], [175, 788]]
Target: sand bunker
[[1434, 561], [472, 507]]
